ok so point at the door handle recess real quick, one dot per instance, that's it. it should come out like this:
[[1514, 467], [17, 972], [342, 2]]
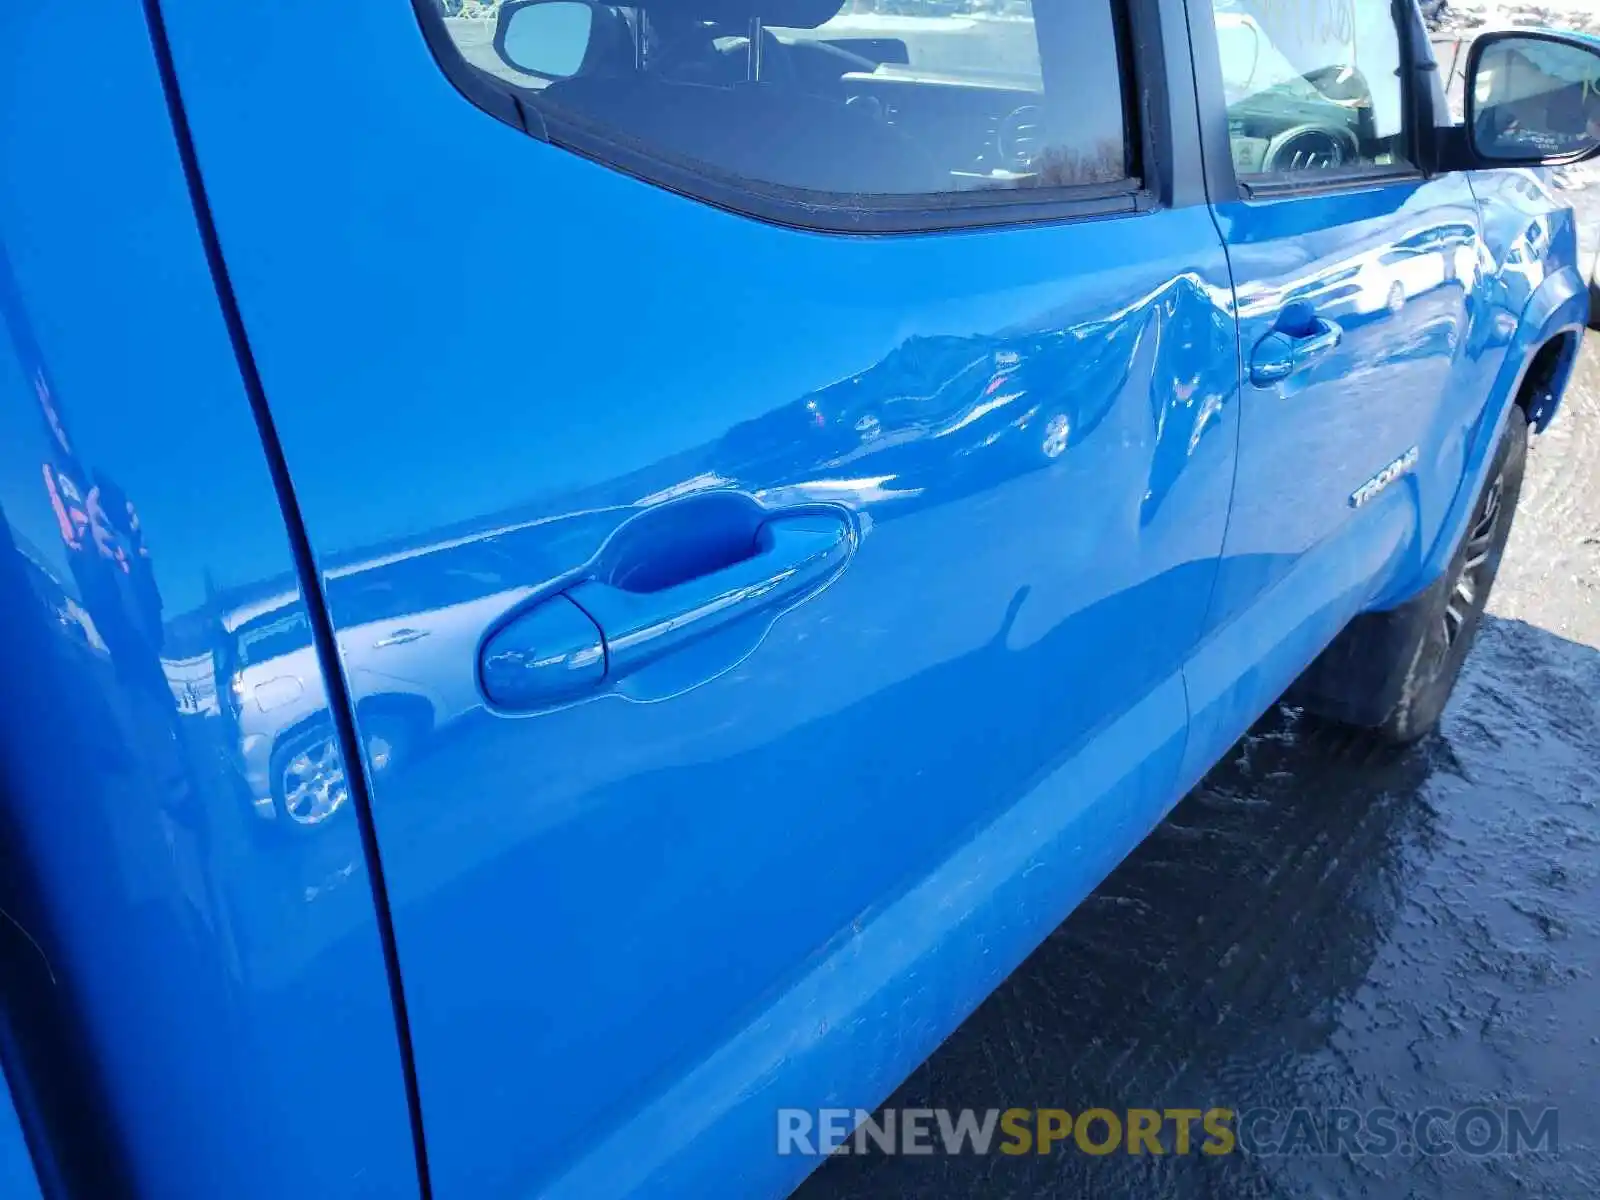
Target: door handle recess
[[596, 632], [1280, 354]]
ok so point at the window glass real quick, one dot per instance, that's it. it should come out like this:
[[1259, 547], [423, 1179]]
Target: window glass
[[271, 636], [1311, 85], [942, 39], [859, 97]]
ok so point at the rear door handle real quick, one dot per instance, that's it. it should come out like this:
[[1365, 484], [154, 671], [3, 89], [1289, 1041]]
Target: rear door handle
[[1280, 354], [399, 637], [597, 632], [793, 556]]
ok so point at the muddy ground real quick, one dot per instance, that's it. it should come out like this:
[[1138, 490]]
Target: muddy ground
[[1328, 926]]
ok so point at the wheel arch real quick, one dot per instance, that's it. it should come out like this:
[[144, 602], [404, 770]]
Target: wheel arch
[[1544, 349]]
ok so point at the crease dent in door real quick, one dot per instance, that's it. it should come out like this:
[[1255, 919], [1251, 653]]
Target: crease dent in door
[[1033, 430]]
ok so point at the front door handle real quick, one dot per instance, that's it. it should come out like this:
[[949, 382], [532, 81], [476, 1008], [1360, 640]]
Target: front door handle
[[597, 632], [1282, 353]]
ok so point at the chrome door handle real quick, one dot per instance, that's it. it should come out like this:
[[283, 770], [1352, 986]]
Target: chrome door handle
[[400, 637]]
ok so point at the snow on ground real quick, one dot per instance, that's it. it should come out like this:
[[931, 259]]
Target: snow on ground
[[1473, 15]]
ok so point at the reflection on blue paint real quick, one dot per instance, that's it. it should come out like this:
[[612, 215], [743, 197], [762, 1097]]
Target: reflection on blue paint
[[837, 778], [17, 1178], [195, 980]]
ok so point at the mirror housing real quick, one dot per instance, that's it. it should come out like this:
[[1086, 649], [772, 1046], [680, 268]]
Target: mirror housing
[[1533, 99], [547, 39]]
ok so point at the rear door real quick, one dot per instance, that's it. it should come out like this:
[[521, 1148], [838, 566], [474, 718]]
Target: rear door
[[1355, 274], [832, 455]]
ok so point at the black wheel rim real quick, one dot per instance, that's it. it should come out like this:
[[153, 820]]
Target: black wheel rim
[[1476, 572]]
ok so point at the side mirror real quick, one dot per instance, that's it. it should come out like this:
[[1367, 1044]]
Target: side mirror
[[1533, 99], [545, 38]]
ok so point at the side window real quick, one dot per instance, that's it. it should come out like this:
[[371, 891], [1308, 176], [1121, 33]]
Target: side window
[[863, 99], [1312, 85]]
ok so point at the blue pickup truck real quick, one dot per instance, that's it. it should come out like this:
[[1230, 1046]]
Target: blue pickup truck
[[575, 576]]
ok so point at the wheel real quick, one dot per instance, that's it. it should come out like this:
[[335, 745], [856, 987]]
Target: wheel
[[309, 784], [1393, 672], [1397, 297], [1455, 605]]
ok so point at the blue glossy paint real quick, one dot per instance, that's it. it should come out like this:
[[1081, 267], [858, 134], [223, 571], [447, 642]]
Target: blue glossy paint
[[1298, 338], [18, 1180], [757, 640], [551, 653], [1531, 240], [680, 594], [219, 983], [1432, 284], [1397, 268], [1529, 296], [819, 846]]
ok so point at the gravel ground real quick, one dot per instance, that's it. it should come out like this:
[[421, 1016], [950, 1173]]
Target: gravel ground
[[1325, 925]]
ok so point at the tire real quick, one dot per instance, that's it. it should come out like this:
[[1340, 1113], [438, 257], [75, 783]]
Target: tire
[[1393, 672]]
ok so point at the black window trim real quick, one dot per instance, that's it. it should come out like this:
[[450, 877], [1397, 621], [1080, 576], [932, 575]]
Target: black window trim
[[1153, 104], [1223, 179], [1341, 179]]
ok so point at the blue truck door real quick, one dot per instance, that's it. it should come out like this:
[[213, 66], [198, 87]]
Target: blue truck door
[[761, 590], [1354, 277]]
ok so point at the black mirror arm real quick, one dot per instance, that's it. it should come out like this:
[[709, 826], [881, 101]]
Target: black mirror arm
[[1453, 150]]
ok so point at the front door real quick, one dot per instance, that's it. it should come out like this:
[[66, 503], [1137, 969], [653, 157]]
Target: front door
[[1354, 276], [817, 438]]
